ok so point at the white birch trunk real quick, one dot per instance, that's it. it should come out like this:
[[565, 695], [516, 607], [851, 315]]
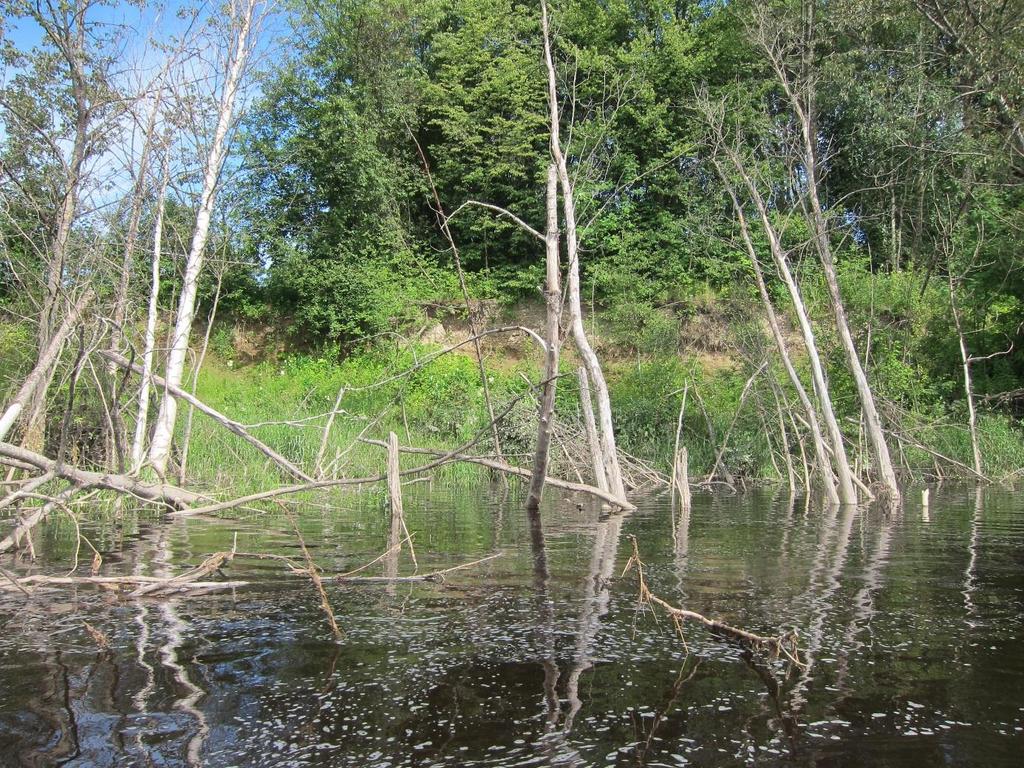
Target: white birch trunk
[[149, 342], [160, 449]]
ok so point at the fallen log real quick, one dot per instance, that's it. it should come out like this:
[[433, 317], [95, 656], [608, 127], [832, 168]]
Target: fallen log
[[501, 466], [81, 480]]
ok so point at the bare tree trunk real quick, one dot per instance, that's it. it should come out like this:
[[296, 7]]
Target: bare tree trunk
[[149, 343], [681, 478], [318, 467], [42, 373], [394, 491], [186, 436], [120, 312], [604, 409], [553, 300], [160, 449], [827, 479], [966, 360], [803, 103], [71, 42], [786, 454], [872, 420], [596, 454], [846, 490]]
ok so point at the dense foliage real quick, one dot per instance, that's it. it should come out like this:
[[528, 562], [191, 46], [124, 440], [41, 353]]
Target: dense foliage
[[387, 117], [921, 170]]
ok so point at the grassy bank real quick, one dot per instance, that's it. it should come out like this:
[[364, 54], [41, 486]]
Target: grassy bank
[[440, 404]]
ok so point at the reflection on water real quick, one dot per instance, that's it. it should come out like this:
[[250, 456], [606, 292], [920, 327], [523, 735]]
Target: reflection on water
[[539, 657]]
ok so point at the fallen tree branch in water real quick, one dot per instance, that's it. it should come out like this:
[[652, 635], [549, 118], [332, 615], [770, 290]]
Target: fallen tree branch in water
[[432, 576], [159, 492], [174, 584], [313, 571], [127, 582], [81, 480], [189, 583], [784, 645], [23, 528], [501, 466]]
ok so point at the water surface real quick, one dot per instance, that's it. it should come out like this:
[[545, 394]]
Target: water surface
[[911, 624]]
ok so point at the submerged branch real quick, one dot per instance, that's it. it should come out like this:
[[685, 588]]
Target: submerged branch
[[784, 645], [432, 576]]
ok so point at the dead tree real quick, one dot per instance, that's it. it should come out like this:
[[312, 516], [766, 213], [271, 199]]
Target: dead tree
[[846, 491], [791, 60], [76, 48], [244, 23], [610, 457], [149, 340], [820, 450], [553, 304]]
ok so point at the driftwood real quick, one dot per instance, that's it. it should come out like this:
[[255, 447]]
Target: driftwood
[[175, 584], [784, 644], [127, 582], [230, 424], [191, 583]]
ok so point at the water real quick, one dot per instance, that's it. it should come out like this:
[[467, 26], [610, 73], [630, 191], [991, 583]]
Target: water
[[911, 624]]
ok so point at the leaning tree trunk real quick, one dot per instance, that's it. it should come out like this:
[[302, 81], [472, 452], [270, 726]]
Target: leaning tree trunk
[[610, 459], [553, 301], [872, 420], [42, 372], [33, 436], [801, 96], [847, 491], [186, 437], [820, 451], [160, 449]]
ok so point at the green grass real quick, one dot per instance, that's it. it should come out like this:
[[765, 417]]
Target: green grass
[[441, 405]]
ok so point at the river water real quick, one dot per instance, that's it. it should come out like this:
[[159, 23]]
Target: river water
[[911, 624]]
